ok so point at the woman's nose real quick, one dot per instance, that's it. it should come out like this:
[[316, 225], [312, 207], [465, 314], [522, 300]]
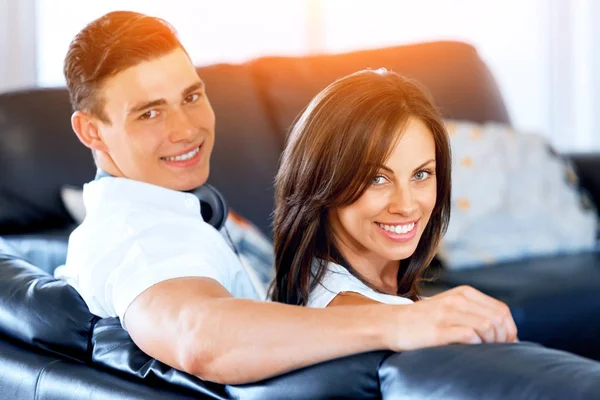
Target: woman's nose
[[403, 202]]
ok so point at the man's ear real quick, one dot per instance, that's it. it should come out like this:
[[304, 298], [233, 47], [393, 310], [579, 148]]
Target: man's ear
[[86, 129]]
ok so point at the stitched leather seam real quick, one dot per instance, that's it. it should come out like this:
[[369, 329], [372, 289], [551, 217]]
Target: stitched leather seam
[[39, 378]]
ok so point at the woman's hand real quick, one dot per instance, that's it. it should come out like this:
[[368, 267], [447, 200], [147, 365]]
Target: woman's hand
[[459, 315]]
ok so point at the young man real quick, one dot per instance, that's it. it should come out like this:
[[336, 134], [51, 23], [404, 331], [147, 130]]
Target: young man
[[144, 253]]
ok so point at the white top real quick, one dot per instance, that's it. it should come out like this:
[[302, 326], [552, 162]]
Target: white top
[[136, 235], [337, 280]]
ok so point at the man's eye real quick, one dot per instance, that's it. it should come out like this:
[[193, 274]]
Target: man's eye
[[379, 180], [192, 98], [149, 114]]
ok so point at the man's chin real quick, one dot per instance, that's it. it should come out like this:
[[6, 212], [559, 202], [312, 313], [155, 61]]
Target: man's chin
[[191, 183]]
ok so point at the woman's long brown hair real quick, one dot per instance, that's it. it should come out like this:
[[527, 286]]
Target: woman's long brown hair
[[331, 156]]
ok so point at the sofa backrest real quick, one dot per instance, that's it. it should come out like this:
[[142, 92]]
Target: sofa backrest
[[255, 104], [246, 152], [38, 153], [453, 72]]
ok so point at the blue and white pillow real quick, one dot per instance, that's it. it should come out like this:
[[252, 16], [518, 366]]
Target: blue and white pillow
[[512, 198]]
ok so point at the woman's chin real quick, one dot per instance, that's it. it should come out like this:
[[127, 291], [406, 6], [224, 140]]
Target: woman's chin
[[399, 255]]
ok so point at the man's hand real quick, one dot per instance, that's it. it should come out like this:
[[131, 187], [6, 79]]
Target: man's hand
[[459, 315]]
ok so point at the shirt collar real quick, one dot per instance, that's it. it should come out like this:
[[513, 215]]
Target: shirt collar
[[109, 189]]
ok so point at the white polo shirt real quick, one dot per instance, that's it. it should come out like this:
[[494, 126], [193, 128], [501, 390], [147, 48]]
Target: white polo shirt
[[136, 235]]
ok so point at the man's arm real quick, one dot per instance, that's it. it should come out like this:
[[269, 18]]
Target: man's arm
[[193, 324]]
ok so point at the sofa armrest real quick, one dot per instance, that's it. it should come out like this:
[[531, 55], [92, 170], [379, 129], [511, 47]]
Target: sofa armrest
[[41, 311], [348, 377], [587, 166], [489, 371]]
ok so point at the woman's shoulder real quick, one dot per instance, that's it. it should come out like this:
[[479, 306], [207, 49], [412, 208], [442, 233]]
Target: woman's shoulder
[[338, 279]]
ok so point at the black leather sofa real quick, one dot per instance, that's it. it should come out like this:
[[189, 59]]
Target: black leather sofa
[[51, 347]]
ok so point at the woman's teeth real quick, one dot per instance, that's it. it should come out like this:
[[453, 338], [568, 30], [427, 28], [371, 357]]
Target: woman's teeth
[[397, 228], [183, 157]]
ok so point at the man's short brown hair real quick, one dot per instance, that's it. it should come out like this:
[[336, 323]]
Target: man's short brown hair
[[109, 45]]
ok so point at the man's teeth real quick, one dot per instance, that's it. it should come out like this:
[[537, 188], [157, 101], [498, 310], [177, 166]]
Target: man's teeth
[[183, 157], [398, 228]]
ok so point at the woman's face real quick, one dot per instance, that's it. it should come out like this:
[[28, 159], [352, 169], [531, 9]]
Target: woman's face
[[386, 223]]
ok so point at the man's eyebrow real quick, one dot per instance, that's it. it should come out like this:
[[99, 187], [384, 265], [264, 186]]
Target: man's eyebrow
[[141, 107], [159, 102], [193, 88]]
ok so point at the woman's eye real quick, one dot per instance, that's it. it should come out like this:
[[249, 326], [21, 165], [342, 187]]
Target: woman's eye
[[192, 98], [422, 175], [379, 180], [149, 114]]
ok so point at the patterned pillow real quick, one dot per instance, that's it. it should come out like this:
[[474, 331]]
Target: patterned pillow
[[254, 249], [512, 198]]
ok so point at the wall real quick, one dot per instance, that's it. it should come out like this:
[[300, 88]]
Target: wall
[[17, 44], [543, 53]]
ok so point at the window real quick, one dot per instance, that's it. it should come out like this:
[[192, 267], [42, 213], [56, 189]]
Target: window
[[543, 53]]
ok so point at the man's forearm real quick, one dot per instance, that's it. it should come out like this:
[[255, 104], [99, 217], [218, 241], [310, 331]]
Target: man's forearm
[[249, 341], [196, 326]]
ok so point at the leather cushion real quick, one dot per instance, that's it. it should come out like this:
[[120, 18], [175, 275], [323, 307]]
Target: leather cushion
[[588, 171], [39, 153], [246, 153], [46, 250], [554, 300], [349, 377], [489, 371], [19, 370], [458, 79], [42, 311], [65, 380]]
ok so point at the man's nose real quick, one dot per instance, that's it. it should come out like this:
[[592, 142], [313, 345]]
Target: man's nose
[[403, 202], [181, 127]]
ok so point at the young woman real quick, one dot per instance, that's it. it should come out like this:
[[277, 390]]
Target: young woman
[[362, 194], [362, 200]]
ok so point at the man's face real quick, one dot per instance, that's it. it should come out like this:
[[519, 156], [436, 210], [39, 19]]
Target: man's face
[[161, 128]]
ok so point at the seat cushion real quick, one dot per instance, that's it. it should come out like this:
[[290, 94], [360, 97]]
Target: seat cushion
[[554, 300]]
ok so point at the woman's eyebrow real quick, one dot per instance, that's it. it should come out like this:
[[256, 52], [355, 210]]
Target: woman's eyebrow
[[425, 163], [388, 169]]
